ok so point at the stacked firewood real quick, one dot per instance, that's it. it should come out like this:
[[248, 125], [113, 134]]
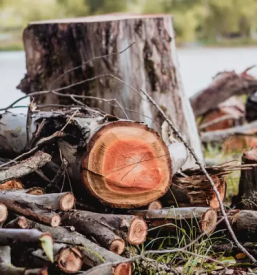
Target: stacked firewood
[[89, 186]]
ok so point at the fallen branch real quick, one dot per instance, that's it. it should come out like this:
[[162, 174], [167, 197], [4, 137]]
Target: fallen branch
[[11, 185], [25, 167]]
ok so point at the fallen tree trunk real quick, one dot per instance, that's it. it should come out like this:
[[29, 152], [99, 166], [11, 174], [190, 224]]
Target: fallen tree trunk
[[93, 254], [247, 194], [150, 65], [6, 268], [125, 164], [205, 218], [224, 86], [132, 228]]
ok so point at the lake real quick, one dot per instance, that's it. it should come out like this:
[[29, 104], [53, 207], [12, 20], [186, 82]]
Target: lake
[[197, 67]]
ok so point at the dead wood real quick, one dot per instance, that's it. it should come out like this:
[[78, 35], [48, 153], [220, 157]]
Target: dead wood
[[221, 135], [37, 191], [25, 167], [133, 229], [247, 194], [155, 205], [6, 268], [224, 86], [93, 254], [40, 208], [19, 222], [204, 218], [3, 213]]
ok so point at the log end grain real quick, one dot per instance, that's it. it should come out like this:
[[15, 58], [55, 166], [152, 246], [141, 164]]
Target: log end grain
[[67, 201], [11, 185], [123, 269], [155, 205], [37, 271], [70, 260], [118, 246], [55, 220], [209, 221], [126, 165], [3, 213], [38, 191], [137, 231], [222, 189]]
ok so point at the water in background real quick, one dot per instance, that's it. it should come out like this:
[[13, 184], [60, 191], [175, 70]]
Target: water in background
[[197, 67]]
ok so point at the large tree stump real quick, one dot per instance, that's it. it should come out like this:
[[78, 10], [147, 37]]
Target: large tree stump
[[53, 47]]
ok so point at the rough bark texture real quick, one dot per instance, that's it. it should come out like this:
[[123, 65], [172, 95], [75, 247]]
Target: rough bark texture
[[194, 190], [224, 86], [35, 207], [133, 229], [52, 47], [205, 217], [93, 254], [124, 163], [247, 194]]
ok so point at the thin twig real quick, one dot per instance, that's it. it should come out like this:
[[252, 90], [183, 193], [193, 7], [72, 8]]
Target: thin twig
[[191, 150]]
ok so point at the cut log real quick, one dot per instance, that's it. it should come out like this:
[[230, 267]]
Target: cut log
[[124, 268], [19, 222], [6, 268], [244, 224], [25, 167], [37, 191], [3, 213], [133, 229], [205, 218], [93, 254], [247, 194], [11, 185], [36, 207], [155, 205], [67, 258], [125, 164], [194, 190], [224, 86], [150, 65]]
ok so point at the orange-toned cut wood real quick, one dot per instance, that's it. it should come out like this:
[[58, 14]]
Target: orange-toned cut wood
[[127, 165]]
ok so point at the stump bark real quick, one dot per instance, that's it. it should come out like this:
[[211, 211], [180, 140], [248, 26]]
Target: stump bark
[[53, 47]]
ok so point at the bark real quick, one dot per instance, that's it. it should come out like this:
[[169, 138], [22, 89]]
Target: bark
[[246, 197], [195, 190], [67, 258], [224, 86], [133, 229], [93, 254], [150, 64], [6, 268], [10, 236], [205, 218], [37, 191], [221, 135], [244, 224], [117, 157], [36, 207], [25, 167]]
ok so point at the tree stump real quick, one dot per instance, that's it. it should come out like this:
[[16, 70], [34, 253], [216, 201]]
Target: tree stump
[[55, 46]]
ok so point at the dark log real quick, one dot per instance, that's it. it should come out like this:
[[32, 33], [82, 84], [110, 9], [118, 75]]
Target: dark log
[[124, 163], [150, 64], [6, 268], [250, 107], [66, 258], [244, 224], [133, 229], [224, 86], [221, 135], [25, 167], [11, 185], [93, 254], [247, 194], [206, 218], [37, 207], [194, 190]]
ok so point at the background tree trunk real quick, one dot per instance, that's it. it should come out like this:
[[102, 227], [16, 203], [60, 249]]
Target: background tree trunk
[[53, 47]]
